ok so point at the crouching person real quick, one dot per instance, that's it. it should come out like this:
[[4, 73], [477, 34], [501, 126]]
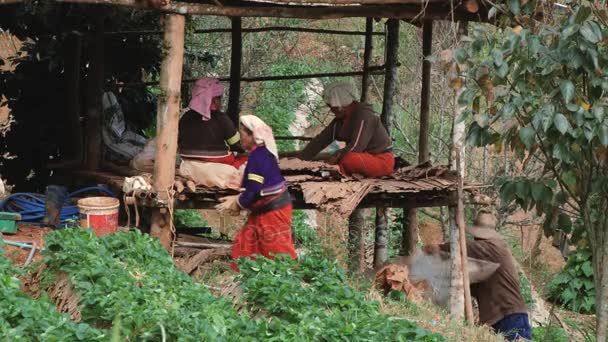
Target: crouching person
[[501, 304], [267, 231]]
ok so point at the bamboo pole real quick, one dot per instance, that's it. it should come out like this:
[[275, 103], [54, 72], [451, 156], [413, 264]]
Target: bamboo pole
[[167, 125], [256, 9], [73, 55], [252, 30], [95, 83], [236, 54], [367, 56], [468, 305]]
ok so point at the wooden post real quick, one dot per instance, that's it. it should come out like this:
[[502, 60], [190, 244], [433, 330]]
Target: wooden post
[[392, 51], [94, 93], [73, 55], [236, 54], [367, 57], [423, 139], [356, 242], [381, 238], [460, 296], [409, 236], [167, 125]]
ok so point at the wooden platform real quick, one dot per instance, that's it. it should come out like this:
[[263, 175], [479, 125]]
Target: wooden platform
[[316, 185]]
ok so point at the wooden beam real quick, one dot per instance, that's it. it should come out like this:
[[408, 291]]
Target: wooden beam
[[377, 69], [256, 9], [95, 82], [253, 30], [167, 124], [367, 57], [10, 2], [236, 53], [425, 93], [73, 53]]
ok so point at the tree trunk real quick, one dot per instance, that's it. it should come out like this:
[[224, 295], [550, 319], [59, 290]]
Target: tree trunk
[[456, 282], [167, 120], [409, 232], [599, 247], [381, 241], [356, 241]]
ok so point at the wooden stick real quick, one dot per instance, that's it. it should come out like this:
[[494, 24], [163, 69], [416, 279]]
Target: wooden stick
[[206, 245], [281, 137], [377, 69], [251, 9], [367, 57], [253, 30], [9, 2], [167, 123], [236, 54]]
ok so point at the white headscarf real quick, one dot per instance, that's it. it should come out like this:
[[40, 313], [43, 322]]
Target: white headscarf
[[339, 94], [262, 133]]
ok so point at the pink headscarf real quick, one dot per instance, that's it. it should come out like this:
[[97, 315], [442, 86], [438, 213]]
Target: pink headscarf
[[203, 91]]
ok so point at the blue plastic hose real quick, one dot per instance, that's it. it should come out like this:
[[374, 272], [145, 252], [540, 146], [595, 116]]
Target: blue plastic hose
[[32, 206]]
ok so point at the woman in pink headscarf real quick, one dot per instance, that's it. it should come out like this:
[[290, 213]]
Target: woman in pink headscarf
[[205, 133]]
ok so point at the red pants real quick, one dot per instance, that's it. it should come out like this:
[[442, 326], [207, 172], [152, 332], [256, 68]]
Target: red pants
[[367, 164], [229, 160], [264, 234]]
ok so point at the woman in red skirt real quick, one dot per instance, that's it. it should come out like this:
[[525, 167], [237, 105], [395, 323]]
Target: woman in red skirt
[[267, 231]]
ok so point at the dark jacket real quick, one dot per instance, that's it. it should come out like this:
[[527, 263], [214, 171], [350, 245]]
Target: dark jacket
[[499, 295], [212, 138], [362, 131]]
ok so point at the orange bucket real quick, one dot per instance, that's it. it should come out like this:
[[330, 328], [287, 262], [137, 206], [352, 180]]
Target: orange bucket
[[99, 214]]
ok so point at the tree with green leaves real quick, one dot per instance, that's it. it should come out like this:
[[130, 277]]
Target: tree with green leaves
[[538, 87]]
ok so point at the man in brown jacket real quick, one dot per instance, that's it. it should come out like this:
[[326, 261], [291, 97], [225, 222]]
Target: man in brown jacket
[[368, 148], [501, 304]]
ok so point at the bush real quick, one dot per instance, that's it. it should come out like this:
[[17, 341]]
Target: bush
[[549, 334], [574, 287]]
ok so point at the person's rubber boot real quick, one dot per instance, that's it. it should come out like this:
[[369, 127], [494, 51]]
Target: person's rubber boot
[[55, 198]]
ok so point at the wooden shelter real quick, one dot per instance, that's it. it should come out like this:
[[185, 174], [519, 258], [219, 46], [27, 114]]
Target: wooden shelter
[[421, 191]]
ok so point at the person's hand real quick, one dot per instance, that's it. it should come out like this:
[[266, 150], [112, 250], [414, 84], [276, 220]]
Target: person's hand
[[430, 249], [229, 205], [333, 160]]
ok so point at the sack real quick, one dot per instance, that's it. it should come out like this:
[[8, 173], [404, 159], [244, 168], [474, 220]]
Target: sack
[[219, 175]]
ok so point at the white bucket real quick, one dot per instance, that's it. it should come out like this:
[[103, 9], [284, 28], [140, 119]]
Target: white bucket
[[99, 214]]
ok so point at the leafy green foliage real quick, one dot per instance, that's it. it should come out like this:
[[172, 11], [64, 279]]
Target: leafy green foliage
[[549, 333], [131, 277], [25, 318], [526, 291], [574, 287], [309, 300], [128, 281], [302, 233], [188, 218], [279, 100], [540, 89]]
